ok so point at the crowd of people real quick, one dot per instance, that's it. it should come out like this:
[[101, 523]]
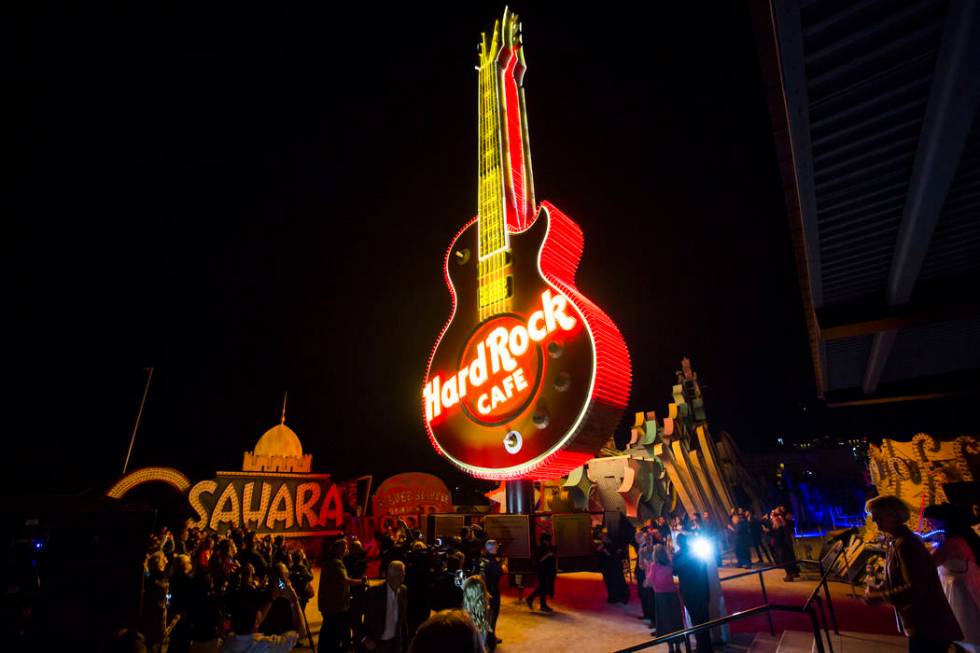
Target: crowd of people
[[665, 548], [463, 573], [205, 591], [237, 591]]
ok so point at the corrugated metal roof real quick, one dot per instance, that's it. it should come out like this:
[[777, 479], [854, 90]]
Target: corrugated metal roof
[[845, 361], [955, 246], [934, 349], [867, 112], [868, 68]]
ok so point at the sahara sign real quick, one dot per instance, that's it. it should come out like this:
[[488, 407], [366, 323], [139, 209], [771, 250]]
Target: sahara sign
[[286, 504]]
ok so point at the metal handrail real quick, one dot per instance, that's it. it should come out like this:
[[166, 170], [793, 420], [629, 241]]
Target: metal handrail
[[823, 576], [751, 572], [767, 608], [744, 614]]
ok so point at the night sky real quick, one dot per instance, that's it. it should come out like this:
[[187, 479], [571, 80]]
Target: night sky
[[255, 203]]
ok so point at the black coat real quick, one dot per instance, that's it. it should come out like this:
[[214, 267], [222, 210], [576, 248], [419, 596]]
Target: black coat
[[375, 612]]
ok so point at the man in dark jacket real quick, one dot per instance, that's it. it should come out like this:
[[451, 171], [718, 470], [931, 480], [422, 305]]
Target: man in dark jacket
[[911, 583], [692, 573], [385, 628], [333, 599]]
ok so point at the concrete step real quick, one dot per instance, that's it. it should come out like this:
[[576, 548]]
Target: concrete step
[[850, 642], [795, 641], [764, 643]]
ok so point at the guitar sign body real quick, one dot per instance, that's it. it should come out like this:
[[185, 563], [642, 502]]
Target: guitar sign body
[[529, 378]]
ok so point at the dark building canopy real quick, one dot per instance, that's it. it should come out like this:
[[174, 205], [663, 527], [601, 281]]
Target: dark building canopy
[[874, 108]]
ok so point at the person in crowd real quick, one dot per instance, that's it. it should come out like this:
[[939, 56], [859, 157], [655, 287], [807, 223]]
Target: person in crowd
[[156, 588], [546, 565], [476, 603], [612, 570], [279, 553], [660, 580], [126, 640], [248, 554], [180, 593], [278, 618], [911, 583], [789, 546], [334, 599], [418, 580], [385, 628], [223, 564], [741, 539], [301, 577], [644, 558], [204, 613], [448, 630], [446, 592], [245, 636], [756, 540], [694, 522], [777, 539], [956, 556], [203, 552], [692, 573], [493, 568]]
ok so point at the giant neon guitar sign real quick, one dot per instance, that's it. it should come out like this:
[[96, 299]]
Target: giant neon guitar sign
[[529, 377]]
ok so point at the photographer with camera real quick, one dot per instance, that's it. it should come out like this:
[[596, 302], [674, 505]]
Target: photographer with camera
[[447, 588], [245, 620]]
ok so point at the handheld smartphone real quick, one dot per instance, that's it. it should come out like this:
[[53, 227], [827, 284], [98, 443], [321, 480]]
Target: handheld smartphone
[[281, 584]]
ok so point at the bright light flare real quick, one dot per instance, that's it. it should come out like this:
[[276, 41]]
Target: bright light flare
[[702, 548]]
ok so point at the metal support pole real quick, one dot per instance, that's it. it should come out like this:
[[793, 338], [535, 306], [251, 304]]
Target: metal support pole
[[519, 496], [139, 415], [765, 599], [830, 606], [826, 624], [817, 637]]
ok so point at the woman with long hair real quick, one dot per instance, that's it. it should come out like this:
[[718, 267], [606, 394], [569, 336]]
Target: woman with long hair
[[956, 556], [476, 603]]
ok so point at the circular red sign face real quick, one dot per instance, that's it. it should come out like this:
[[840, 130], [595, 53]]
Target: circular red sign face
[[501, 352]]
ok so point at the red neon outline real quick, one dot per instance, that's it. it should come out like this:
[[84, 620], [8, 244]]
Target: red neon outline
[[517, 217], [559, 259]]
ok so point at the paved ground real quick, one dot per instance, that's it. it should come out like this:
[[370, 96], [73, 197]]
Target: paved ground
[[583, 621]]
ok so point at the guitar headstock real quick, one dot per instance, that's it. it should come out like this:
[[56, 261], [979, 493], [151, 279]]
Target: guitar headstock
[[512, 31], [506, 40]]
